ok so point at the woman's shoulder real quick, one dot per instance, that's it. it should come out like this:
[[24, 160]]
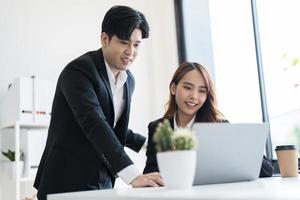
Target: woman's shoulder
[[224, 120], [156, 122]]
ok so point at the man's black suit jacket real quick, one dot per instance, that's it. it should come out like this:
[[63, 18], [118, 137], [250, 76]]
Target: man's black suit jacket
[[151, 162], [83, 150]]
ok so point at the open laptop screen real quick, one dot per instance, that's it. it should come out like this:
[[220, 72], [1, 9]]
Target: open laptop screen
[[229, 152]]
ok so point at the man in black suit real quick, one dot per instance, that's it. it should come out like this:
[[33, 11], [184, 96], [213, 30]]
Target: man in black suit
[[90, 112]]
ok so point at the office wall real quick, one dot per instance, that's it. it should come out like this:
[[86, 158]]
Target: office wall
[[41, 37]]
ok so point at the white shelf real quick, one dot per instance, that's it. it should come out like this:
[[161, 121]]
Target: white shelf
[[17, 126], [26, 179], [26, 125]]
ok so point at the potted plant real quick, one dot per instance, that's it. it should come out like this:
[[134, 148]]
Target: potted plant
[[9, 165], [176, 155]]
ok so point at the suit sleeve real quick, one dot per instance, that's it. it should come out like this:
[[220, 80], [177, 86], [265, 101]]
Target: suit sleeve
[[151, 162], [266, 168], [134, 141], [81, 97]]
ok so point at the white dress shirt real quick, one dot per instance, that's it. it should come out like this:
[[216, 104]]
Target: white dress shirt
[[117, 88], [189, 125]]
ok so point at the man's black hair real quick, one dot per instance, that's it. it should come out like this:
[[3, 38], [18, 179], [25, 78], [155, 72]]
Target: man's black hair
[[122, 20]]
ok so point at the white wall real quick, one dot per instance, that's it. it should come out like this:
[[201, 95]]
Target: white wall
[[41, 37]]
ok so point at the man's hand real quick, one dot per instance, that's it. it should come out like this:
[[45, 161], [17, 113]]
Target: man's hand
[[147, 180]]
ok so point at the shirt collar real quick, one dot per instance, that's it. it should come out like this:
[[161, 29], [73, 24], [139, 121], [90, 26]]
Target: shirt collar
[[115, 82], [189, 125]]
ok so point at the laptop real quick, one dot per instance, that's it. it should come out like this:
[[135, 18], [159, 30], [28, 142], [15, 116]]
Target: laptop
[[229, 152]]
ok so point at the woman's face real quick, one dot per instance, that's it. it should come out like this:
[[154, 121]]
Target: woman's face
[[190, 94]]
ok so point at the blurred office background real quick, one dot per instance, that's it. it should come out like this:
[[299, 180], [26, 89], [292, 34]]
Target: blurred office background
[[40, 37]]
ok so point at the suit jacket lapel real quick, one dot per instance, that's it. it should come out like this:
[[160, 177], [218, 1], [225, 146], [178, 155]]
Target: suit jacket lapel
[[125, 115], [172, 122], [103, 73], [121, 126], [127, 101], [100, 64], [123, 121]]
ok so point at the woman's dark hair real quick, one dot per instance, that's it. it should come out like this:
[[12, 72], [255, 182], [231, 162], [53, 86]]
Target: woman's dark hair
[[122, 20], [208, 112]]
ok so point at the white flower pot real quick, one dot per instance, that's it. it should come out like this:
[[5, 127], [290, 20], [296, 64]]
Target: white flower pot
[[10, 168], [177, 168]]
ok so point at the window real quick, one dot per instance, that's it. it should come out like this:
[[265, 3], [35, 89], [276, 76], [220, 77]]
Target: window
[[279, 36], [219, 35], [229, 54]]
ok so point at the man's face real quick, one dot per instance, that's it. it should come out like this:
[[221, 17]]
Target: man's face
[[119, 54]]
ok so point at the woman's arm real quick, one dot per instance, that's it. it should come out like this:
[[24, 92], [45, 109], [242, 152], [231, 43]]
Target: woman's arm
[[266, 168], [151, 162]]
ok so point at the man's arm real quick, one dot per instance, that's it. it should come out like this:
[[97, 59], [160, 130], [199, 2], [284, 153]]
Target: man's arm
[[134, 141]]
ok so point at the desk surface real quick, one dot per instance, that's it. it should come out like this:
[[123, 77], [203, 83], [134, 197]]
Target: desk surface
[[264, 188]]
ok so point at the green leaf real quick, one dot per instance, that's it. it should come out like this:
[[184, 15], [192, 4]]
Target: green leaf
[[295, 62], [163, 136], [11, 155]]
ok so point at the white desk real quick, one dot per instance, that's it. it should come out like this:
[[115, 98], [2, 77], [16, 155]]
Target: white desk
[[266, 188]]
